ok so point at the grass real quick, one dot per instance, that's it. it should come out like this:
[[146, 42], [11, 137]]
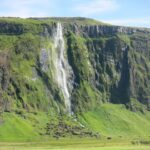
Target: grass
[[74, 144], [71, 20], [21, 131], [77, 148], [23, 127], [110, 120], [115, 120]]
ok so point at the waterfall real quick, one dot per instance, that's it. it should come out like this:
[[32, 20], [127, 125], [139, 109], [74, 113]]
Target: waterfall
[[61, 66]]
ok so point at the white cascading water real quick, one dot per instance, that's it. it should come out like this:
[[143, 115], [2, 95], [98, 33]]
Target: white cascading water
[[61, 65]]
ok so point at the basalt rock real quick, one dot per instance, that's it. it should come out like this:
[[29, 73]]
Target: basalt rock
[[106, 64]]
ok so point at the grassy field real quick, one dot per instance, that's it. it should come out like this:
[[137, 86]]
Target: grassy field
[[126, 130], [82, 145], [78, 148]]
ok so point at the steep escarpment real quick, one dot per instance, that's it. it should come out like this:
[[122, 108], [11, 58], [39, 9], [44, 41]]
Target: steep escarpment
[[55, 66], [75, 75], [112, 56]]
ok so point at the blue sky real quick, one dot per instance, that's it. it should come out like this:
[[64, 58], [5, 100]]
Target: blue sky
[[119, 12]]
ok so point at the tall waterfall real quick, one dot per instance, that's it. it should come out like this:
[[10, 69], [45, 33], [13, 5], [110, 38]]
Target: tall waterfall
[[61, 65]]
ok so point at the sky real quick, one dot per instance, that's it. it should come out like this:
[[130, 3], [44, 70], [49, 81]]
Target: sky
[[117, 12]]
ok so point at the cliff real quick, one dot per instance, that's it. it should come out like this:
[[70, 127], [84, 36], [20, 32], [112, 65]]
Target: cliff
[[72, 65], [105, 64]]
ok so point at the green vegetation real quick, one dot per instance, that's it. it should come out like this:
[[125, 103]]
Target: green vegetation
[[108, 121], [72, 20], [110, 79], [22, 126], [116, 121], [67, 144]]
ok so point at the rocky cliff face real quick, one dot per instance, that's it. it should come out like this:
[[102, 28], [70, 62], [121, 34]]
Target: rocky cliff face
[[115, 54], [93, 63]]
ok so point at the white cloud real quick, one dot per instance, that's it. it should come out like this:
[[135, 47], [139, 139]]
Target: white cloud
[[25, 8], [97, 6], [145, 21]]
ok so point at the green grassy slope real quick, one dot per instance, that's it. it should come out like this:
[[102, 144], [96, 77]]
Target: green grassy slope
[[116, 120], [109, 120], [23, 127], [68, 20]]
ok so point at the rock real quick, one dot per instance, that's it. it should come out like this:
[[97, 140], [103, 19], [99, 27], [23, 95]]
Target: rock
[[44, 60]]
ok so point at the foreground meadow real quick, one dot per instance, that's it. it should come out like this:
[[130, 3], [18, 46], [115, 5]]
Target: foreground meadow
[[75, 144], [75, 148]]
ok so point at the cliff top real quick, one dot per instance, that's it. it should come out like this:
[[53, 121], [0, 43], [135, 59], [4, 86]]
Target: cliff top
[[77, 20], [80, 21]]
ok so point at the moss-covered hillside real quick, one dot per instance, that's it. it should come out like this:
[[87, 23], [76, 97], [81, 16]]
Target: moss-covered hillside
[[101, 64]]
